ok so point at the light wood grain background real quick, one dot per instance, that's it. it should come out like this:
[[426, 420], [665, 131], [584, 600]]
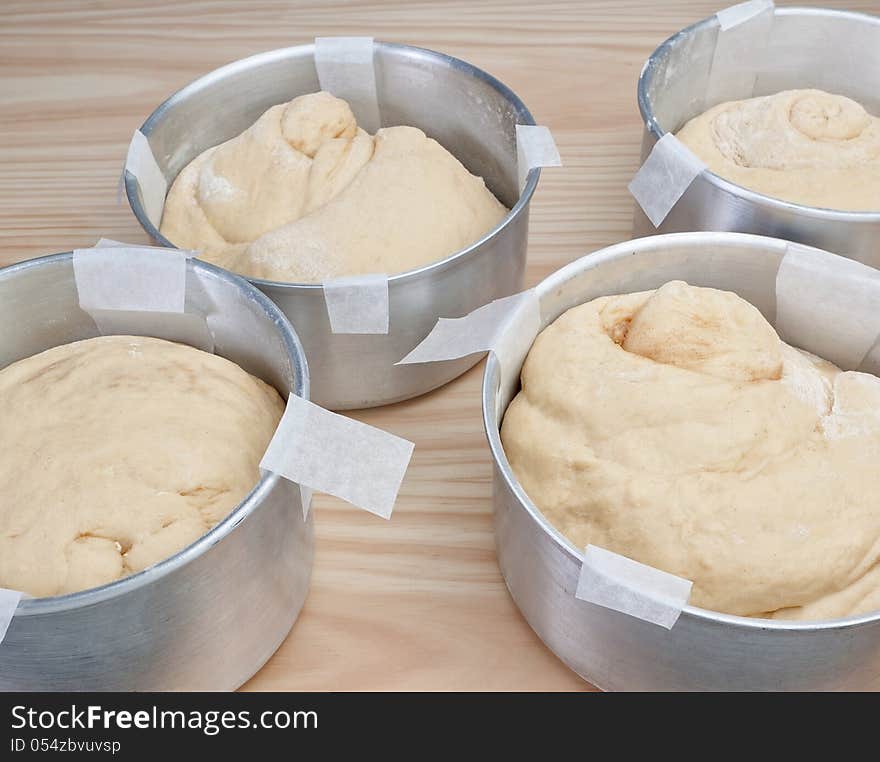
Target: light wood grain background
[[415, 603]]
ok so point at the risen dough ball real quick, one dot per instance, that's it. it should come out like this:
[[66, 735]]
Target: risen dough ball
[[119, 451], [304, 194], [675, 428], [805, 146]]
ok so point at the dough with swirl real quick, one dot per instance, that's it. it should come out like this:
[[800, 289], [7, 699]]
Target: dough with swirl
[[675, 427], [304, 195], [805, 146]]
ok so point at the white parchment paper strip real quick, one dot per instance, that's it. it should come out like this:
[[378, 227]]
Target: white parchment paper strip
[[345, 69], [743, 33], [535, 148], [129, 278], [507, 327], [828, 305], [742, 13], [327, 452], [667, 173], [357, 304], [141, 162], [617, 582], [482, 330], [139, 291], [9, 600]]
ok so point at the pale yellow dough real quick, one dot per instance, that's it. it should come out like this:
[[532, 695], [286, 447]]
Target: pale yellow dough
[[805, 146], [675, 428], [119, 451], [305, 195]]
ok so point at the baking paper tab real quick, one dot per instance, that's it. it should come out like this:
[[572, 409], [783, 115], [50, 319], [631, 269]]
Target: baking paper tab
[[127, 278], [619, 583], [139, 291], [9, 600], [743, 33], [828, 305], [345, 69], [535, 148], [667, 173], [142, 164], [506, 326], [327, 452], [357, 304]]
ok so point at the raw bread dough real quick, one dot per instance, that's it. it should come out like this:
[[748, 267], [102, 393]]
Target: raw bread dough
[[305, 194], [675, 428], [117, 452], [805, 146]]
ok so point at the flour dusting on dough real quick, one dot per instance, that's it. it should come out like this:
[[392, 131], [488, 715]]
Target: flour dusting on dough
[[304, 195], [806, 146]]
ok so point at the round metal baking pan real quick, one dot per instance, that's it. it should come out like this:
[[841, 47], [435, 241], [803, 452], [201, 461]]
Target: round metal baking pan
[[808, 48], [466, 110], [705, 650], [208, 617]]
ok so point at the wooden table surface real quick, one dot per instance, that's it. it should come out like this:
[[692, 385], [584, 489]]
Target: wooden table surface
[[416, 603]]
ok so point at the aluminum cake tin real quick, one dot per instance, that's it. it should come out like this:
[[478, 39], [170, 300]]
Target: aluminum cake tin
[[208, 617], [705, 650], [466, 110], [808, 48]]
